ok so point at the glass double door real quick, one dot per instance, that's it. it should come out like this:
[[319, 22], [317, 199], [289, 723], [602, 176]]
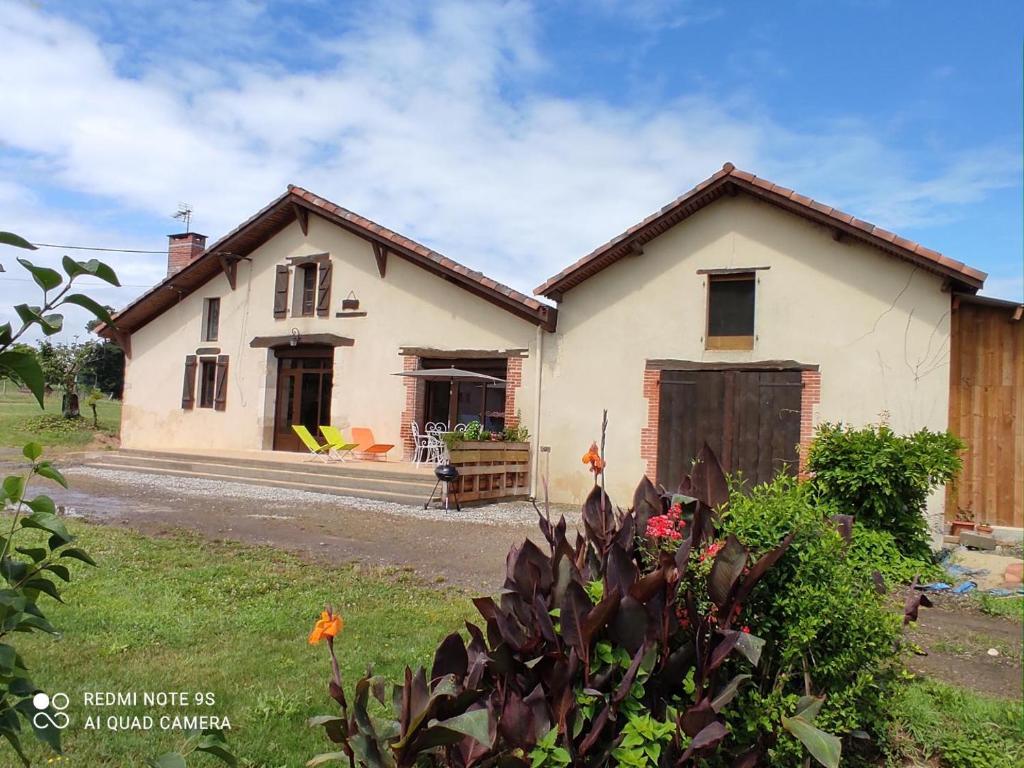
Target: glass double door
[[304, 380]]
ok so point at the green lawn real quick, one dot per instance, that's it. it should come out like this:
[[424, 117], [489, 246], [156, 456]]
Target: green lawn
[[186, 614], [22, 421], [182, 613]]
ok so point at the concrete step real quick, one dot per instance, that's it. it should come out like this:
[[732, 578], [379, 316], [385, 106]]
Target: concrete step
[[321, 468], [357, 480], [394, 492]]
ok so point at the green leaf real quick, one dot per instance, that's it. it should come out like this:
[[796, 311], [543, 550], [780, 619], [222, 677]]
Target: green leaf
[[101, 312], [52, 324], [167, 760], [59, 570], [73, 268], [14, 487], [47, 470], [12, 737], [98, 269], [45, 278], [750, 646], [213, 743], [824, 747], [24, 367], [45, 586], [78, 554], [46, 521], [32, 451], [44, 732], [9, 238], [808, 707], [34, 553], [42, 503]]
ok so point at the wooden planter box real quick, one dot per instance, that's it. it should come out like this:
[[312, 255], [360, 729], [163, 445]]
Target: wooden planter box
[[490, 471]]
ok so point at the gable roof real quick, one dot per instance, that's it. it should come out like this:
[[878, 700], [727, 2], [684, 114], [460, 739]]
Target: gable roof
[[730, 180], [296, 204]]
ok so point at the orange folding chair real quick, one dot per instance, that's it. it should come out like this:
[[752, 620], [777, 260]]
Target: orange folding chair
[[368, 447]]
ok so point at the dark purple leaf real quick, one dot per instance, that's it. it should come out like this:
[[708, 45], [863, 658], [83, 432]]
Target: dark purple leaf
[[648, 586], [710, 736], [600, 615], [914, 601], [749, 759], [598, 518], [647, 503], [727, 642], [450, 658], [629, 628], [728, 567], [596, 727], [621, 572], [543, 619], [758, 569], [844, 525], [697, 717], [879, 582], [709, 483], [727, 693], [516, 723], [574, 609]]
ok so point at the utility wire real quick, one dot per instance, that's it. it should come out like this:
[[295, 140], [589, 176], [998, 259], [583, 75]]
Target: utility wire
[[87, 248], [123, 285]]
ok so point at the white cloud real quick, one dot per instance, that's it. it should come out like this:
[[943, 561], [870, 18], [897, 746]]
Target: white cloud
[[435, 122]]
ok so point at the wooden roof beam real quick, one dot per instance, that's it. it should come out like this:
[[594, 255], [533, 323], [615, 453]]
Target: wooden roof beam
[[302, 216], [380, 254]]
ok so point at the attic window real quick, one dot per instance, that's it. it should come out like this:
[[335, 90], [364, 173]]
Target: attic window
[[731, 311]]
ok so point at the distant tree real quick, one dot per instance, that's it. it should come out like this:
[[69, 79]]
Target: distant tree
[[105, 369], [62, 364]]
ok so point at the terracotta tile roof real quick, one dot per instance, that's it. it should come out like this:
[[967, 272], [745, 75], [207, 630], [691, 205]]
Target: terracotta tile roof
[[283, 211], [730, 180]]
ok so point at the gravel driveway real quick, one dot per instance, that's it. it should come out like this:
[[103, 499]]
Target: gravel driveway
[[465, 548]]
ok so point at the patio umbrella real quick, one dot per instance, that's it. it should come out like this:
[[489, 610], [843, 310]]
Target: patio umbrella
[[450, 374]]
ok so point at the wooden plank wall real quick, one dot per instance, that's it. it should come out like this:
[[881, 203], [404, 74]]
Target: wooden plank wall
[[986, 409]]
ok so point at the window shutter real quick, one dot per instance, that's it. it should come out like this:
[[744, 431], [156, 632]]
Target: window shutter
[[323, 300], [189, 389], [220, 397], [281, 292]]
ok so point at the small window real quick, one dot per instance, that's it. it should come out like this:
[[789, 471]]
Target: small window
[[207, 382], [308, 297], [211, 319], [731, 311]]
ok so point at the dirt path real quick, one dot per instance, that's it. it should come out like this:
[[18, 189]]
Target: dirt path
[[324, 528], [957, 639]]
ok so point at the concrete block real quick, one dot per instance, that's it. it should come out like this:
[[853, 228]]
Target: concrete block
[[977, 540]]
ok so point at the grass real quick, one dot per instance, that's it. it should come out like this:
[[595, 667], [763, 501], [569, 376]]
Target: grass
[[938, 724], [186, 614], [23, 421], [1011, 607]]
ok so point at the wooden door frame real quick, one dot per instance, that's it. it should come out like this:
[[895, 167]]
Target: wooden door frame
[[279, 439]]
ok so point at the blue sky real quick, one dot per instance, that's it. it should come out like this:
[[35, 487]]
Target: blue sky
[[513, 136]]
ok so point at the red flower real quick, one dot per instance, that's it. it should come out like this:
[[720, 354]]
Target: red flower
[[745, 629]]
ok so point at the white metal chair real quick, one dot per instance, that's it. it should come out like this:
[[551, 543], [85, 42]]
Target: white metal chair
[[420, 441], [459, 428]]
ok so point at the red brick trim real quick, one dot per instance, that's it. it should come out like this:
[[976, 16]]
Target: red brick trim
[[513, 381], [649, 434], [415, 394], [810, 397]]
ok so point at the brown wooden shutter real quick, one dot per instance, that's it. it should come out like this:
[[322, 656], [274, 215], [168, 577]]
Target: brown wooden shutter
[[281, 292], [323, 300], [220, 397], [189, 390]]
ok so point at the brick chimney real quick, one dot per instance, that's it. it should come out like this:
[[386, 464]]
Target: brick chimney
[[183, 249]]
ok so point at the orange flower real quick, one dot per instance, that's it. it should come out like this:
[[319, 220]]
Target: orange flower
[[328, 626], [593, 458]]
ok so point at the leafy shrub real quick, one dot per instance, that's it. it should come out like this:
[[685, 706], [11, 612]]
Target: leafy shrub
[[873, 550], [883, 479], [826, 628], [637, 672]]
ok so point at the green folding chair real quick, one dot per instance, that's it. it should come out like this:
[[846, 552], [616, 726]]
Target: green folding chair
[[340, 448], [322, 452]]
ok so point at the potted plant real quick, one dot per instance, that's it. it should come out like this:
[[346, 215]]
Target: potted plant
[[964, 522]]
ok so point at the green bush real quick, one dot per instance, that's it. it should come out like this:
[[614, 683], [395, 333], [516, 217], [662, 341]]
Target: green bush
[[872, 550], [825, 626], [883, 479]]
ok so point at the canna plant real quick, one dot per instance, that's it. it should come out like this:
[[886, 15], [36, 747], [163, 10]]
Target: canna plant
[[622, 646]]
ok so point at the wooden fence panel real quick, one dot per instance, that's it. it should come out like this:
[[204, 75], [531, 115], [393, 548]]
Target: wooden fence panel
[[986, 409]]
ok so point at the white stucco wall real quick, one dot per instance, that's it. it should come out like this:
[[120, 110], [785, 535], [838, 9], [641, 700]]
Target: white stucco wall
[[409, 307], [877, 327]]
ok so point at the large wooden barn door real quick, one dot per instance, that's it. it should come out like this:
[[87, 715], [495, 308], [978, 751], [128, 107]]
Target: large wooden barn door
[[751, 420]]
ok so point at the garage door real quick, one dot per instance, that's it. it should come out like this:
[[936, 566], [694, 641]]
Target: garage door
[[751, 420]]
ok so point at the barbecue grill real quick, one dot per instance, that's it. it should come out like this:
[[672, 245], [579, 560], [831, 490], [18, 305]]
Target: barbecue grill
[[445, 473]]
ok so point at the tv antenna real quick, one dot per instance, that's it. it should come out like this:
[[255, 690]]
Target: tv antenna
[[185, 214]]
